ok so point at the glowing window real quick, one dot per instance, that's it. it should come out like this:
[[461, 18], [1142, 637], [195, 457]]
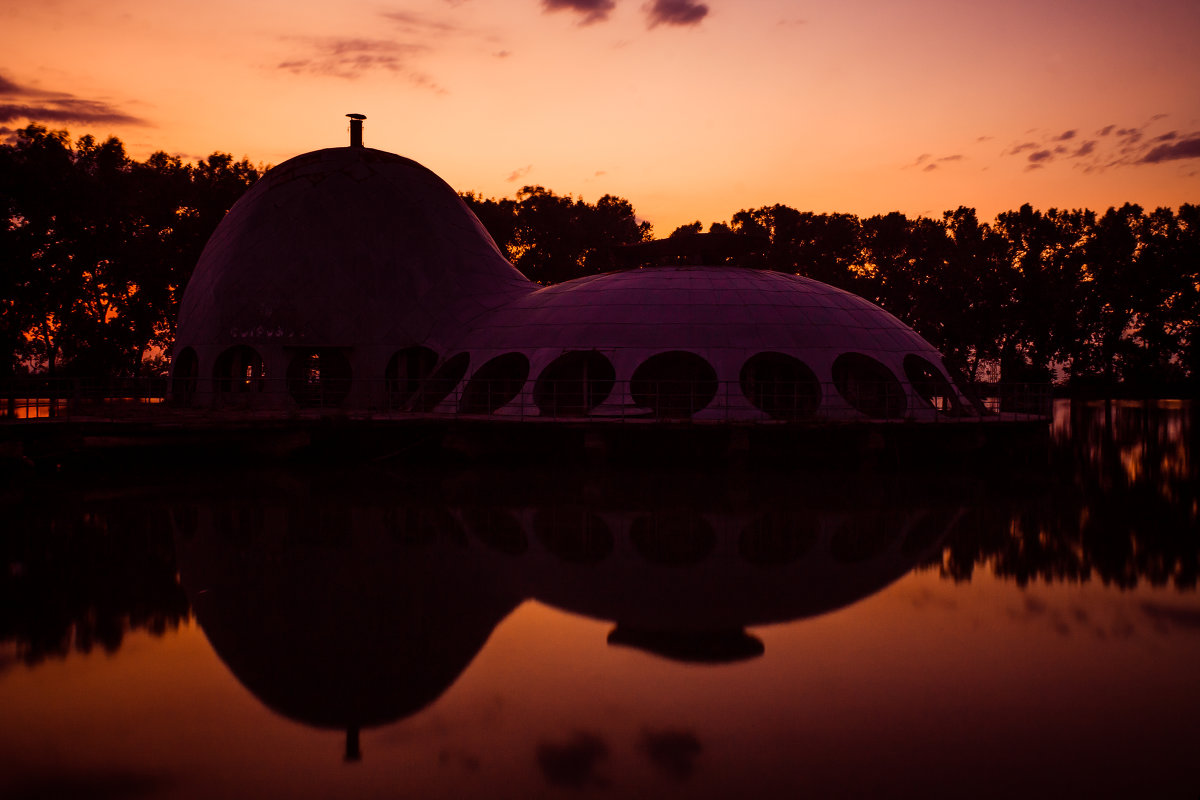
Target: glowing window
[[319, 377], [239, 369]]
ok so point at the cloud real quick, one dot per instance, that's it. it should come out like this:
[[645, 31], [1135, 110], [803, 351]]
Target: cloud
[[353, 57], [955, 157], [673, 752], [1113, 146], [573, 763], [590, 10], [38, 105], [1176, 151], [675, 12], [416, 23], [519, 173]]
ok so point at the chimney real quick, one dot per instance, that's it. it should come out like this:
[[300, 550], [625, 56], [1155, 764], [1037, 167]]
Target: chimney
[[356, 121]]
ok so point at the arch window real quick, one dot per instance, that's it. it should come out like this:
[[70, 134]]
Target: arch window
[[495, 384], [438, 386], [674, 384], [673, 539], [781, 386], [239, 369], [319, 377], [931, 385], [574, 383], [574, 534], [404, 372], [869, 386], [184, 376]]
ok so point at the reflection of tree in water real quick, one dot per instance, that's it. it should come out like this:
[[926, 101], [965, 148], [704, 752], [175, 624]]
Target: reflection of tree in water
[[1120, 504], [80, 572]]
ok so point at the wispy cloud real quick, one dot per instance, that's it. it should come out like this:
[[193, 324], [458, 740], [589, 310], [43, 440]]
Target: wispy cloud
[[675, 12], [519, 173], [19, 102], [1110, 146], [353, 57], [590, 11]]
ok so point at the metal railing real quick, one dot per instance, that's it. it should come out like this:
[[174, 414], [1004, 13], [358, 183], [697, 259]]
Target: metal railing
[[774, 402]]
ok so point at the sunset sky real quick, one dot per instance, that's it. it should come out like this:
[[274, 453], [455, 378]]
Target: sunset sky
[[690, 110]]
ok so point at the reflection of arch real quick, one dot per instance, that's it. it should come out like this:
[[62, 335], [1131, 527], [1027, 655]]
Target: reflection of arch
[[674, 384], [319, 377], [777, 537], [404, 373], [442, 382], [863, 536], [422, 526], [869, 386], [183, 377], [931, 385], [781, 385], [573, 534], [495, 384], [498, 529], [239, 369], [574, 383], [673, 539]]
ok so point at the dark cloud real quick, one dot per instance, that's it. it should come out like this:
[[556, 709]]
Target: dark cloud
[[1085, 149], [1066, 135], [38, 105], [1166, 137], [590, 10], [955, 157], [1176, 151], [573, 763], [673, 752], [1023, 147], [1040, 156], [675, 12], [1106, 130], [351, 57], [929, 168]]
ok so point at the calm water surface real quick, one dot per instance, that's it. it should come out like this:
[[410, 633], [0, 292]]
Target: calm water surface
[[398, 632]]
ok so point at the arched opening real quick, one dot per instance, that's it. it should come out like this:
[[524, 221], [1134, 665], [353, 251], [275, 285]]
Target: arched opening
[[931, 385], [574, 534], [674, 384], [441, 383], [673, 539], [869, 386], [777, 537], [495, 384], [319, 377], [238, 370], [574, 383], [184, 377], [498, 529], [781, 386], [404, 372]]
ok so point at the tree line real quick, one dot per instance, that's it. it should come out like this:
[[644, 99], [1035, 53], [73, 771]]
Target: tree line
[[97, 248]]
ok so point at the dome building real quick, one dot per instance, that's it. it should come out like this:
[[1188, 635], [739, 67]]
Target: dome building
[[354, 279]]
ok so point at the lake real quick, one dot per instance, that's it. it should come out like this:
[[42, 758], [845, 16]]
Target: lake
[[393, 630]]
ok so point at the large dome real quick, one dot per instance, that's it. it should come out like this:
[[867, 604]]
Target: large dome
[[356, 279]]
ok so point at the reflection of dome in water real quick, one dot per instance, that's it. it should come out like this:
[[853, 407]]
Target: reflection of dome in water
[[331, 621], [356, 278]]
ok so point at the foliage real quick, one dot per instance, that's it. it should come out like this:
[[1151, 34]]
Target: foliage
[[96, 248]]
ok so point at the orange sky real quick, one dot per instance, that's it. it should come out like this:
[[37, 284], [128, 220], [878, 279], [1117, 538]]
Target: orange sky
[[689, 109]]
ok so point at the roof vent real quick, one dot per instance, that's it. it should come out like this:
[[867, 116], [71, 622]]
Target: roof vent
[[356, 121]]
